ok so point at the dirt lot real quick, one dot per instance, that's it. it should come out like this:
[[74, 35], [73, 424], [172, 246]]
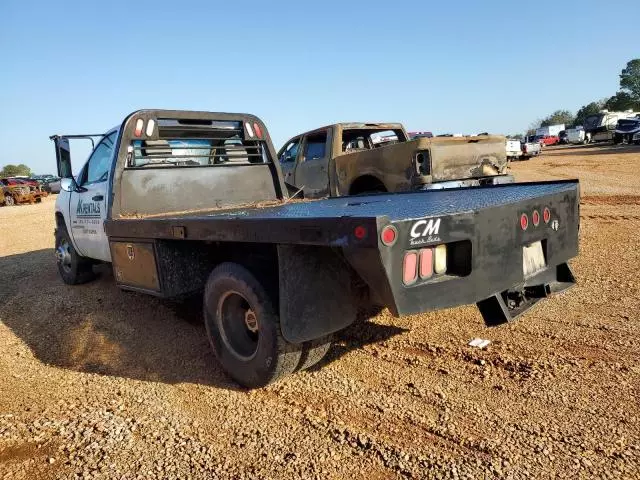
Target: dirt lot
[[99, 383]]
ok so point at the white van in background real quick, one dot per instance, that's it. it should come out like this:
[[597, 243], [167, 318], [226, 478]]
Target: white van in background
[[577, 136]]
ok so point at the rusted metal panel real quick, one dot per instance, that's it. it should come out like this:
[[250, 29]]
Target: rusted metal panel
[[148, 192], [450, 159], [134, 265]]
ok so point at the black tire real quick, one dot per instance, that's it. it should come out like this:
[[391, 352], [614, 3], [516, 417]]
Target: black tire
[[314, 351], [235, 303], [73, 268]]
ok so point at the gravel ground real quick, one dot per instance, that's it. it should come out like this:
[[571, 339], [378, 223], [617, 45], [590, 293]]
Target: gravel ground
[[99, 383]]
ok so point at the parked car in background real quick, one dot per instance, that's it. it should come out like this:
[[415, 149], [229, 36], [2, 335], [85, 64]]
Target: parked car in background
[[626, 128], [563, 137], [514, 149], [530, 149], [15, 192], [413, 135], [34, 187], [577, 135], [50, 183], [601, 127], [547, 140]]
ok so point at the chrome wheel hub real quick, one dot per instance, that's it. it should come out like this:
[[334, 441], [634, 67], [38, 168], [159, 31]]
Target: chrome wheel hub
[[63, 255]]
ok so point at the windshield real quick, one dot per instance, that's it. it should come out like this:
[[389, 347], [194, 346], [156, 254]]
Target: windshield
[[368, 138], [593, 121]]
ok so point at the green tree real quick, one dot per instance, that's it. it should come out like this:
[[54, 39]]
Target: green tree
[[622, 101], [515, 136], [630, 79], [557, 117], [15, 170], [586, 110]]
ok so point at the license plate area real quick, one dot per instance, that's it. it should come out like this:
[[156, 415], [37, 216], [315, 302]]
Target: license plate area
[[533, 258]]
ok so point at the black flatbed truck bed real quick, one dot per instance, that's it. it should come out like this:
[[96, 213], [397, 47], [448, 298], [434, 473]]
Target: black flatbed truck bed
[[478, 217], [293, 272]]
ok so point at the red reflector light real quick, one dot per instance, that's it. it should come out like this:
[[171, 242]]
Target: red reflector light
[[535, 217], [139, 125], [257, 129], [524, 221], [389, 235], [546, 215], [410, 268], [360, 232], [426, 262]]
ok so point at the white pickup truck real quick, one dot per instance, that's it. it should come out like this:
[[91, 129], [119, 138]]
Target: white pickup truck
[[514, 149], [530, 148]]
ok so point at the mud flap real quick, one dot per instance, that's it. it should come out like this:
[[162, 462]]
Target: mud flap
[[316, 292], [506, 306]]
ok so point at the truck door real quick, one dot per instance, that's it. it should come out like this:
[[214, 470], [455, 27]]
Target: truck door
[[312, 170], [88, 204], [287, 157]]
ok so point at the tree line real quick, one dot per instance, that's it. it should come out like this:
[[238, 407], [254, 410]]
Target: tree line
[[15, 171], [627, 98]]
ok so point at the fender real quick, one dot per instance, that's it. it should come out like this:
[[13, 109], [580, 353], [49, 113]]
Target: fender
[[63, 203]]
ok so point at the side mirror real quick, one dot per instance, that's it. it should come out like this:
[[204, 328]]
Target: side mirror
[[68, 184]]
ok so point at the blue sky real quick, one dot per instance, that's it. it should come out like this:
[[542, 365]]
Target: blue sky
[[76, 67]]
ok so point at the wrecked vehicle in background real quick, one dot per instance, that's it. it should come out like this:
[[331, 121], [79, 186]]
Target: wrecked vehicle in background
[[12, 193], [33, 185], [356, 158]]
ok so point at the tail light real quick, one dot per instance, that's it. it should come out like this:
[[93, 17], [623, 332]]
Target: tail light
[[546, 215], [257, 129], [410, 267], [440, 262], [524, 221], [360, 232], [139, 126], [389, 235], [426, 262], [535, 218], [422, 160], [151, 124]]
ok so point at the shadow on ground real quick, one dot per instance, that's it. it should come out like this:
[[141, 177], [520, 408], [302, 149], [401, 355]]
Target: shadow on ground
[[99, 328]]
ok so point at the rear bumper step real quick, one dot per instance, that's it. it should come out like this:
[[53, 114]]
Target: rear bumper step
[[503, 307]]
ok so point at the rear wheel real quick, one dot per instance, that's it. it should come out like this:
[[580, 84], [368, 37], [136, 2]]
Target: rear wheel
[[9, 201], [73, 268], [244, 328]]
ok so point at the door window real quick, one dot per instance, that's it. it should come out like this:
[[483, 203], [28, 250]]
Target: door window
[[290, 152], [315, 146], [97, 168]]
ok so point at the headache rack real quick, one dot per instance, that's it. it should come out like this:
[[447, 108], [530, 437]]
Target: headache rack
[[195, 143]]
